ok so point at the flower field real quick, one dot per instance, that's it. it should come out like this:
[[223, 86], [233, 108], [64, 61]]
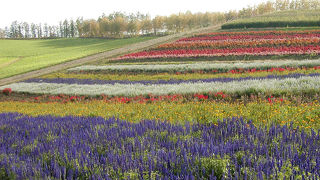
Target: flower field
[[93, 147], [191, 109], [235, 44]]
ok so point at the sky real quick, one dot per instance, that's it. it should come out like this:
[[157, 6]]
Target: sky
[[53, 11]]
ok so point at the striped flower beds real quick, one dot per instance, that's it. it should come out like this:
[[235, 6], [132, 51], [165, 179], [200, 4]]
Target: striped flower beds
[[195, 53], [243, 43], [287, 85], [200, 66], [184, 75], [155, 82], [217, 45], [175, 118], [269, 77]]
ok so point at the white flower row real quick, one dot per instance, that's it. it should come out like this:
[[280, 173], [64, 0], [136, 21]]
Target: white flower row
[[200, 66], [272, 85]]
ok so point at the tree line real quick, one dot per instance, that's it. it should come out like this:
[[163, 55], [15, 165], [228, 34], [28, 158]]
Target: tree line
[[20, 30], [118, 24]]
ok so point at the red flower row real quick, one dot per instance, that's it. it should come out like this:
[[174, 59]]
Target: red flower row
[[120, 99], [143, 99], [258, 51], [239, 43]]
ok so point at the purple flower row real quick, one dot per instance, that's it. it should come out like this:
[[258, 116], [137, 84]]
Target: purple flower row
[[172, 81], [48, 147]]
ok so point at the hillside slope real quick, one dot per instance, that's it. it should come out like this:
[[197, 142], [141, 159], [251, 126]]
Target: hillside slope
[[108, 54], [291, 18], [20, 56]]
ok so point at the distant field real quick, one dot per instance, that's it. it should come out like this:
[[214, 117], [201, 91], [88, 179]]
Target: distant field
[[19, 56], [290, 18]]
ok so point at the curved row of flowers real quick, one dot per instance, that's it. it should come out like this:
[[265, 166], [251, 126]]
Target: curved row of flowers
[[284, 86], [251, 37], [268, 43], [155, 82], [193, 53], [240, 43], [199, 66]]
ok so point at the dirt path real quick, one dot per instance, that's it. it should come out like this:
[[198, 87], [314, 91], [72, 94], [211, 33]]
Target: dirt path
[[10, 62], [108, 54]]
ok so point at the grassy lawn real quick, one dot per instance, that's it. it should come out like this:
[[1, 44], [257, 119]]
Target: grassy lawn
[[36, 54], [6, 60]]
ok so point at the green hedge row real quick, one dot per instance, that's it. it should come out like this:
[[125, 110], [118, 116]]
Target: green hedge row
[[242, 25]]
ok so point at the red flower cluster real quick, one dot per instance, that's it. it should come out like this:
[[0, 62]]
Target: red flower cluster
[[7, 91], [122, 99], [238, 71], [144, 99], [59, 98], [272, 99], [201, 96], [220, 95], [316, 67]]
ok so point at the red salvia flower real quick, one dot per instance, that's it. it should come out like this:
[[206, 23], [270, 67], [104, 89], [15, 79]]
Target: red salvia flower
[[7, 91]]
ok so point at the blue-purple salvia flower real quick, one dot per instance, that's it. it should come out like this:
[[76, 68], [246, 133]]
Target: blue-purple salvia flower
[[172, 81], [96, 148]]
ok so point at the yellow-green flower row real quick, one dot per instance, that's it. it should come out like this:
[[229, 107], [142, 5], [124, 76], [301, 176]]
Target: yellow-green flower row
[[166, 76], [260, 112]]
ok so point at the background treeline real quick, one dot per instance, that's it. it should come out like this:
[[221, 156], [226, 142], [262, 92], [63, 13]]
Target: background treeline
[[118, 24], [20, 30]]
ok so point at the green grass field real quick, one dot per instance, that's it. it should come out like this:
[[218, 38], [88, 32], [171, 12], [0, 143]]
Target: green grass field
[[6, 60], [290, 18], [20, 56]]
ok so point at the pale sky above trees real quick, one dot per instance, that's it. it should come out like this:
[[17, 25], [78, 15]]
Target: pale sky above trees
[[51, 12]]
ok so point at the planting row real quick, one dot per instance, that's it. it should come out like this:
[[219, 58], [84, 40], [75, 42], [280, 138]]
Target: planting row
[[293, 84], [194, 75], [200, 66], [258, 33], [240, 43], [48, 147], [251, 37], [272, 23], [261, 112], [160, 82], [226, 44], [212, 53]]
